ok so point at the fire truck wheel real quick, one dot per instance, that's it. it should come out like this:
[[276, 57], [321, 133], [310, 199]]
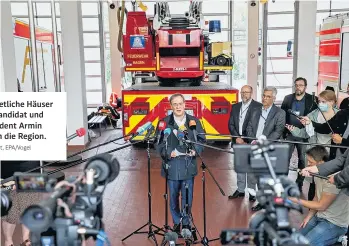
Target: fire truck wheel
[[196, 82], [166, 82], [221, 61]]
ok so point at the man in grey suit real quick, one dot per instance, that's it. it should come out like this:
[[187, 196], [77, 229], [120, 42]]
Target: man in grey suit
[[239, 118], [268, 120]]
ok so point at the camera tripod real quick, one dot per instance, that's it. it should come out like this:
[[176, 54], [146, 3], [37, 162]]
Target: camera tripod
[[151, 233], [166, 227], [204, 240]]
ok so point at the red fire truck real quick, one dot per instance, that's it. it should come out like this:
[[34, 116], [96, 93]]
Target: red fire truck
[[173, 49], [170, 47], [333, 67], [45, 51]]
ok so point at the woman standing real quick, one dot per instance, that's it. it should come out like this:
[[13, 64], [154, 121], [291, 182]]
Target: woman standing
[[327, 105]]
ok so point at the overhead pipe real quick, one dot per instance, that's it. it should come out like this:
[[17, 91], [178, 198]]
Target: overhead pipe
[[33, 49], [56, 47]]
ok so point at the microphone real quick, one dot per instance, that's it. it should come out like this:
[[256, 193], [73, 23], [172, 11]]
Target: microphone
[[143, 128], [175, 132], [149, 132], [78, 133], [192, 126], [167, 133], [262, 139], [290, 111], [140, 130], [171, 237], [182, 128], [105, 167], [186, 234], [291, 188], [161, 127]]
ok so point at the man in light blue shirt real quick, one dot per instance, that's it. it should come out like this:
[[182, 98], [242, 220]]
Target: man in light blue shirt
[[262, 119], [271, 122]]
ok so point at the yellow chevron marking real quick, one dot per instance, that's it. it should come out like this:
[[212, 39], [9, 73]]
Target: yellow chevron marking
[[230, 97], [205, 99], [134, 120], [209, 128], [154, 100]]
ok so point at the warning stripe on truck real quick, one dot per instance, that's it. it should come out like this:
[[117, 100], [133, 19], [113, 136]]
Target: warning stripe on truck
[[213, 113]]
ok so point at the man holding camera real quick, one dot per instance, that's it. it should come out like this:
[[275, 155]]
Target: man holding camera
[[180, 158], [328, 215]]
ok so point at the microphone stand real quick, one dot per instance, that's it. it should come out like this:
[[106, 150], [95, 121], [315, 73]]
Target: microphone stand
[[204, 240], [151, 233], [166, 227]]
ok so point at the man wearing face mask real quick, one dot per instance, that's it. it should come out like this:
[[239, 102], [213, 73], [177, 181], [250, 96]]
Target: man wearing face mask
[[345, 102], [301, 103]]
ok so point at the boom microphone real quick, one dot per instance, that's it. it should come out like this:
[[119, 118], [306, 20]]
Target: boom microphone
[[192, 126], [141, 130], [78, 133], [105, 166]]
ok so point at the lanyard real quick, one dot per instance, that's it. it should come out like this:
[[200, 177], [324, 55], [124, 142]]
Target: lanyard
[[243, 111]]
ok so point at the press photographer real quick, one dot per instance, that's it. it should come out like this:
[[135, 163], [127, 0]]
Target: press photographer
[[74, 211], [180, 165], [328, 215], [270, 226], [338, 166]]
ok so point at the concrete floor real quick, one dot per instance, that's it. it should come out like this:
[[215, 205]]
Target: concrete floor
[[126, 202]]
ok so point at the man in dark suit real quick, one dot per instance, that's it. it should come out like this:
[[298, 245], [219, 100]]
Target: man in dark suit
[[301, 103], [181, 162], [345, 103], [239, 117], [268, 120]]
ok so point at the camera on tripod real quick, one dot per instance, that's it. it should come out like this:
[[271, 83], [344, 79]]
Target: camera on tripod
[[74, 211], [6, 202], [271, 226]]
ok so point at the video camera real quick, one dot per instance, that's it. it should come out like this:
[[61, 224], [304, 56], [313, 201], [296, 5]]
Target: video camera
[[5, 202], [74, 211], [270, 226]]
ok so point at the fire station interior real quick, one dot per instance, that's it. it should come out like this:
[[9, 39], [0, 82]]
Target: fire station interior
[[117, 74]]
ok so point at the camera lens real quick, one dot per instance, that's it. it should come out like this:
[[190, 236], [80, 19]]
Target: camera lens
[[38, 215]]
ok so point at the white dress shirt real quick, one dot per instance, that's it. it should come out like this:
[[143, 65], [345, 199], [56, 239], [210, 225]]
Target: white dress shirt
[[242, 114], [262, 119]]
